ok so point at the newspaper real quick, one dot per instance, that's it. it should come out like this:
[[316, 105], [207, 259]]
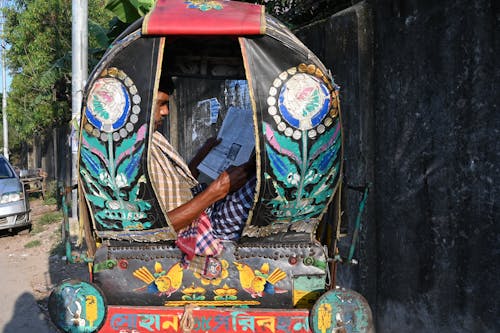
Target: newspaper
[[238, 143]]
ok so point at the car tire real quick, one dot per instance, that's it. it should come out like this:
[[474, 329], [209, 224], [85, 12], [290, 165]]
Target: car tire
[[23, 230]]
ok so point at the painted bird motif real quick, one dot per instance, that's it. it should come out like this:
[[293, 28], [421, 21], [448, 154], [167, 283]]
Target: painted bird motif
[[161, 282], [259, 282]]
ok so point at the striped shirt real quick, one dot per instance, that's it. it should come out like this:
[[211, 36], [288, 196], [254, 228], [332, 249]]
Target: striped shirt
[[170, 175]]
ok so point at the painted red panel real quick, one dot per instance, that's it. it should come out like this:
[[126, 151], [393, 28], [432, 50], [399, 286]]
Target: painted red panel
[[211, 17], [124, 319]]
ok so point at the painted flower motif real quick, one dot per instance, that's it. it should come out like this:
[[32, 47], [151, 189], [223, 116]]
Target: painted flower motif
[[104, 178], [293, 178], [193, 293], [108, 104], [225, 293], [304, 101], [204, 5], [215, 282], [312, 176], [121, 180]]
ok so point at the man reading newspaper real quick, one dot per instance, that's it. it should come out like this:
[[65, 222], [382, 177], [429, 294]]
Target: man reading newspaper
[[201, 216]]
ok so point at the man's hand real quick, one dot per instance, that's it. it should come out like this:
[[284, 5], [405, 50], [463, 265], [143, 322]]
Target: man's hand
[[229, 181], [209, 145], [238, 176]]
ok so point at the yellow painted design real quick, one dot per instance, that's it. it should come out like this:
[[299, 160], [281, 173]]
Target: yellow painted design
[[302, 295], [276, 276], [246, 275], [144, 275], [172, 323], [225, 293], [166, 282], [254, 281], [91, 309], [265, 268], [212, 303], [324, 317], [193, 293], [305, 298]]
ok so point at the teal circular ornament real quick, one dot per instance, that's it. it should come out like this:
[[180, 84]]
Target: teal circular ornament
[[77, 307], [341, 310]]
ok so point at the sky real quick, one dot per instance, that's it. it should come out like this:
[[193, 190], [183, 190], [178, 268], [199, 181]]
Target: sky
[[9, 79]]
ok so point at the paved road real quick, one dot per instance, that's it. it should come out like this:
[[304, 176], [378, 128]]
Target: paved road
[[19, 310]]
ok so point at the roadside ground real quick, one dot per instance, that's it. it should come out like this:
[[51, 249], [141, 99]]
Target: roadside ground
[[31, 264]]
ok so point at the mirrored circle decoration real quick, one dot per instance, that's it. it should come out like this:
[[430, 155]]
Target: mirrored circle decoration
[[341, 310], [301, 99], [77, 307], [113, 104]]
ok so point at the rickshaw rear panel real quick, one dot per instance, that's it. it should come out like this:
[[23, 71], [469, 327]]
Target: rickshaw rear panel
[[271, 278]]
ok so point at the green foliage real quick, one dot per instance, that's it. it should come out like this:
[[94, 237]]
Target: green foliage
[[299, 13], [46, 219], [99, 24], [39, 60], [50, 201], [38, 39], [129, 11], [50, 218], [125, 12], [33, 243], [36, 229]]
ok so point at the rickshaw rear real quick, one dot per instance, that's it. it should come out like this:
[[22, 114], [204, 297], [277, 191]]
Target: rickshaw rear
[[276, 278]]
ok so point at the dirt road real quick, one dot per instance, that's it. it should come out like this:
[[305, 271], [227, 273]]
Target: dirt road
[[30, 265]]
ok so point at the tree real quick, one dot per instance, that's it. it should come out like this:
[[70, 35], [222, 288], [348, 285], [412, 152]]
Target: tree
[[39, 59], [297, 13]]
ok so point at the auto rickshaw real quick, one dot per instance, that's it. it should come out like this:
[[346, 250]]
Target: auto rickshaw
[[277, 277]]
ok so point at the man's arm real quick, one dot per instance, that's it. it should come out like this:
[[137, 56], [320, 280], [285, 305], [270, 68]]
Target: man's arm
[[227, 182], [201, 154]]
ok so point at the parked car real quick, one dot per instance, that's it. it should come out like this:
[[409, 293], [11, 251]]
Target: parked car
[[14, 206]]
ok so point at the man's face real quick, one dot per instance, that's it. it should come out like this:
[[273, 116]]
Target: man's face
[[161, 108]]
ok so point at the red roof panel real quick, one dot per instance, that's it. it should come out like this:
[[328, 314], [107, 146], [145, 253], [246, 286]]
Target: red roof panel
[[204, 17]]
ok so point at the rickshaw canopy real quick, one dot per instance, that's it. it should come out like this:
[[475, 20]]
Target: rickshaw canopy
[[177, 17], [294, 101]]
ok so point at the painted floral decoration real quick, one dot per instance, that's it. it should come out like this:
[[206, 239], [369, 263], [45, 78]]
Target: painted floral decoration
[[204, 5]]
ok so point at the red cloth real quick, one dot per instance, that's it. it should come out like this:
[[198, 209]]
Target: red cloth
[[197, 239]]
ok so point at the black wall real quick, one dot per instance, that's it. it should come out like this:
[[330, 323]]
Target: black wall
[[419, 84]]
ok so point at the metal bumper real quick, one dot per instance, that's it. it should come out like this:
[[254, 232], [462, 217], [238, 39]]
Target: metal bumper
[[14, 215]]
